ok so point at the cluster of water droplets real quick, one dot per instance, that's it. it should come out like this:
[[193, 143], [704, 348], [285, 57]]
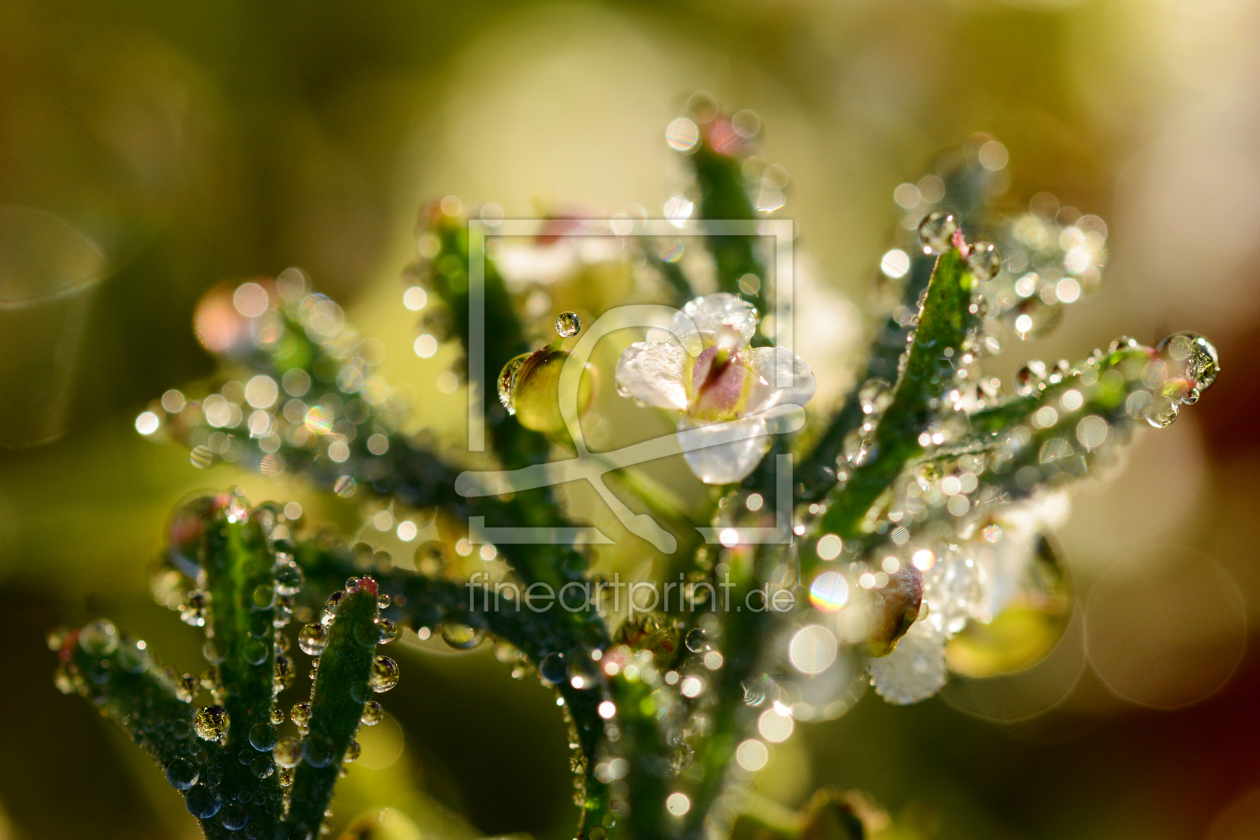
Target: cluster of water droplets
[[119, 675], [677, 668], [185, 559], [945, 527], [1186, 366], [306, 396]]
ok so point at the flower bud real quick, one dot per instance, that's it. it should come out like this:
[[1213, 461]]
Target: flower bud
[[529, 389]]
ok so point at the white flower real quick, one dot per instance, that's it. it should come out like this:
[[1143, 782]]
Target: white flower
[[708, 372]]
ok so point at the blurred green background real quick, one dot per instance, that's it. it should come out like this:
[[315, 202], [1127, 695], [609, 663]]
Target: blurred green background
[[210, 141]]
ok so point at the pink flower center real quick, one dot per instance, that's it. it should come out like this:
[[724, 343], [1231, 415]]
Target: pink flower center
[[718, 382]]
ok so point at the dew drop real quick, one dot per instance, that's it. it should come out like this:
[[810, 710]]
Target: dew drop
[[301, 716], [211, 680], [387, 631], [1124, 342], [984, 261], [353, 751], [56, 638], [1030, 377], [460, 636], [331, 606], [313, 638], [1191, 356], [936, 231], [319, 750], [211, 723], [194, 608], [99, 638], [283, 674], [859, 447], [875, 395], [64, 681], [384, 674], [203, 801], [288, 752], [553, 668], [372, 713], [1162, 413], [1034, 318], [215, 651], [233, 816], [289, 576], [182, 774], [507, 381], [262, 737], [568, 324], [263, 596], [695, 640], [277, 716], [255, 651], [133, 655]]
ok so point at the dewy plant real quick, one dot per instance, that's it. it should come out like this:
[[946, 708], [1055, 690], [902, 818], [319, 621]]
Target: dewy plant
[[870, 545]]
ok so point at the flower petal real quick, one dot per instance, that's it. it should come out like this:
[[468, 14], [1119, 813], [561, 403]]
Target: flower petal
[[783, 379], [724, 453], [653, 372], [716, 314]]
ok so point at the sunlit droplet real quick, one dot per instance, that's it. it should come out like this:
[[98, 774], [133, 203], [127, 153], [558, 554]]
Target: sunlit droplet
[[384, 674], [984, 261], [936, 231], [568, 324]]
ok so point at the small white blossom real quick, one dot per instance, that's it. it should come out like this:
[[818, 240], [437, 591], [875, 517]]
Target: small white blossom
[[708, 372]]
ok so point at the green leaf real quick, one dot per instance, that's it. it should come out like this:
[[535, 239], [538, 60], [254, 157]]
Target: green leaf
[[725, 196], [241, 587], [930, 371], [343, 685], [969, 189]]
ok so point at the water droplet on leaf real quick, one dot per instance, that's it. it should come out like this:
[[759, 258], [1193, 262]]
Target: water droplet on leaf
[[99, 638], [262, 737], [372, 713], [313, 638], [936, 231], [289, 576], [553, 668], [984, 261], [461, 636], [384, 674], [319, 750], [211, 722], [233, 816], [181, 773], [203, 801], [288, 752]]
